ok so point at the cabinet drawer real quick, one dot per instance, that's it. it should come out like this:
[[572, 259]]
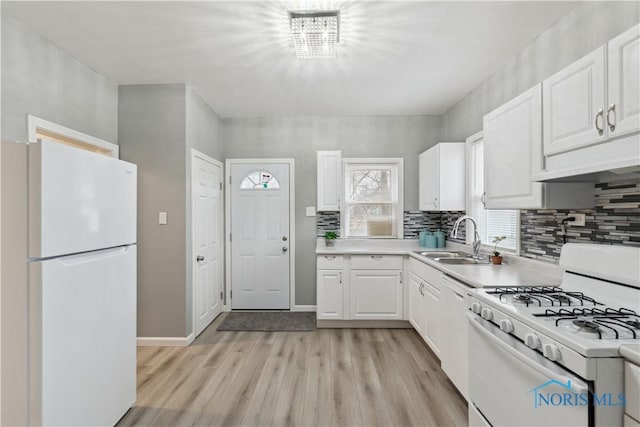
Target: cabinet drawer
[[425, 272], [632, 389], [330, 262], [376, 262]]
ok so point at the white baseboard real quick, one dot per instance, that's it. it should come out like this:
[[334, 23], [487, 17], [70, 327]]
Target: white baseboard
[[304, 308], [165, 341]]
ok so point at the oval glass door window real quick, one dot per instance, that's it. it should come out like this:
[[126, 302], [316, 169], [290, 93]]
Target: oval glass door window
[[259, 180]]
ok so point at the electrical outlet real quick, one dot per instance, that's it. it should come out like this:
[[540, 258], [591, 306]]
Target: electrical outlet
[[579, 220]]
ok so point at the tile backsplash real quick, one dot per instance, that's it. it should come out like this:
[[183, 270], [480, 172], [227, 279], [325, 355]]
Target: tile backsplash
[[414, 223], [615, 219]]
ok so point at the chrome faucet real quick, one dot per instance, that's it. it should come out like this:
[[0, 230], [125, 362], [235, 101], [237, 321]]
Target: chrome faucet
[[476, 236]]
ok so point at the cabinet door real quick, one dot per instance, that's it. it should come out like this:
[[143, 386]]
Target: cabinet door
[[329, 180], [433, 311], [416, 301], [453, 348], [329, 294], [512, 153], [573, 103], [376, 294], [429, 179], [623, 109]]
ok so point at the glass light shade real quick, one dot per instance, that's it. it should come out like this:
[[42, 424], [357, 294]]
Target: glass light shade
[[315, 35]]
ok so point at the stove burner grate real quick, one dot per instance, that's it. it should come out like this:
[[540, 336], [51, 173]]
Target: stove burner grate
[[596, 320], [541, 295]]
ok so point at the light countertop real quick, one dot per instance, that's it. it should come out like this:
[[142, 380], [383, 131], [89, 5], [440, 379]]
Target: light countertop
[[516, 271], [631, 352]]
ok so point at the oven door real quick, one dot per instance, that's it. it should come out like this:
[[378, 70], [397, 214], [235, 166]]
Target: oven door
[[512, 385]]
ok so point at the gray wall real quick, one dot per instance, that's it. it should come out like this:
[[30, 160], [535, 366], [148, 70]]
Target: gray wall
[[38, 79], [301, 137], [583, 29], [203, 133], [158, 126], [152, 134]]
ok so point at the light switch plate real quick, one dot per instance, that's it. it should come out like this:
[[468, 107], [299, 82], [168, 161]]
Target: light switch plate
[[311, 211], [162, 218]]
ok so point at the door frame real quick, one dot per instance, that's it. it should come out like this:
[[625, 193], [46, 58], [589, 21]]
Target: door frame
[[292, 225], [194, 154]]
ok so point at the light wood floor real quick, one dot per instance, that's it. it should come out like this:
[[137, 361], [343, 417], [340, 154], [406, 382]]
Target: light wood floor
[[340, 377]]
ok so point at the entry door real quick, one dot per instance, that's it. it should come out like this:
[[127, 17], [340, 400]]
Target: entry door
[[207, 241], [260, 236]]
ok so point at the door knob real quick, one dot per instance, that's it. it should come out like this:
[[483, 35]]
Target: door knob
[[199, 258], [285, 249], [284, 238]]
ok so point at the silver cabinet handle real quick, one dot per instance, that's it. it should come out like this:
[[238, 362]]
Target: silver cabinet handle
[[483, 199], [329, 257], [285, 249], [420, 288], [341, 277], [595, 122], [376, 257], [199, 258], [284, 238], [611, 123], [435, 202], [401, 277]]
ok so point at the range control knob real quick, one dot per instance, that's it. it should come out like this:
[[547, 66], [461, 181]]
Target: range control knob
[[476, 308], [532, 340], [487, 314], [506, 325], [551, 351]]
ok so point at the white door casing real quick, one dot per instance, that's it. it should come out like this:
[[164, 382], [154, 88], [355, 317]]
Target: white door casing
[[207, 239], [260, 234]]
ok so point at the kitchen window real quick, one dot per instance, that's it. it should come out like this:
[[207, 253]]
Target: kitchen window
[[372, 198], [491, 222]]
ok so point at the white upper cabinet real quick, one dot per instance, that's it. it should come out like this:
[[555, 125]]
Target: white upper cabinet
[[511, 140], [592, 112], [442, 177], [574, 105], [623, 97], [329, 180], [513, 154]]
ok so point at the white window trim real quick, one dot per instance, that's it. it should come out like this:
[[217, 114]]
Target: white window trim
[[399, 163], [35, 124], [477, 137]]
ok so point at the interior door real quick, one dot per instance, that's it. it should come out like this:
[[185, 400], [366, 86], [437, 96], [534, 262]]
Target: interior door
[[260, 236], [207, 241]]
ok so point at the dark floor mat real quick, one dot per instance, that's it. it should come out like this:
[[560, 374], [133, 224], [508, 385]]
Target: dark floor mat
[[269, 321]]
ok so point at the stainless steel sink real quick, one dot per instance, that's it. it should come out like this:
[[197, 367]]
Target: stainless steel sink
[[462, 261], [443, 254]]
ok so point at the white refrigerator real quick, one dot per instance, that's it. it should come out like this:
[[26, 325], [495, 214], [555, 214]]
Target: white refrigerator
[[82, 286]]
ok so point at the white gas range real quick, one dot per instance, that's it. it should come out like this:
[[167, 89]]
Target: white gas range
[[548, 356]]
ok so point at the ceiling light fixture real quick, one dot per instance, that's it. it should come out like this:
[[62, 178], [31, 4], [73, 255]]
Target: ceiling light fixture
[[315, 35]]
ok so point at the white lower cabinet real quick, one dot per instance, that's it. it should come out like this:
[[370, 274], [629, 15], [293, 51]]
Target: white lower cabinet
[[433, 310], [424, 302], [330, 299], [416, 303], [376, 294], [359, 287], [454, 347]]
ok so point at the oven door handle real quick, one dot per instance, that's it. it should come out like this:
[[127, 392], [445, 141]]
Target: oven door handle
[[530, 362]]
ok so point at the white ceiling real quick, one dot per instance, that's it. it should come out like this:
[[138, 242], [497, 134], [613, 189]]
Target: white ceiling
[[394, 58]]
